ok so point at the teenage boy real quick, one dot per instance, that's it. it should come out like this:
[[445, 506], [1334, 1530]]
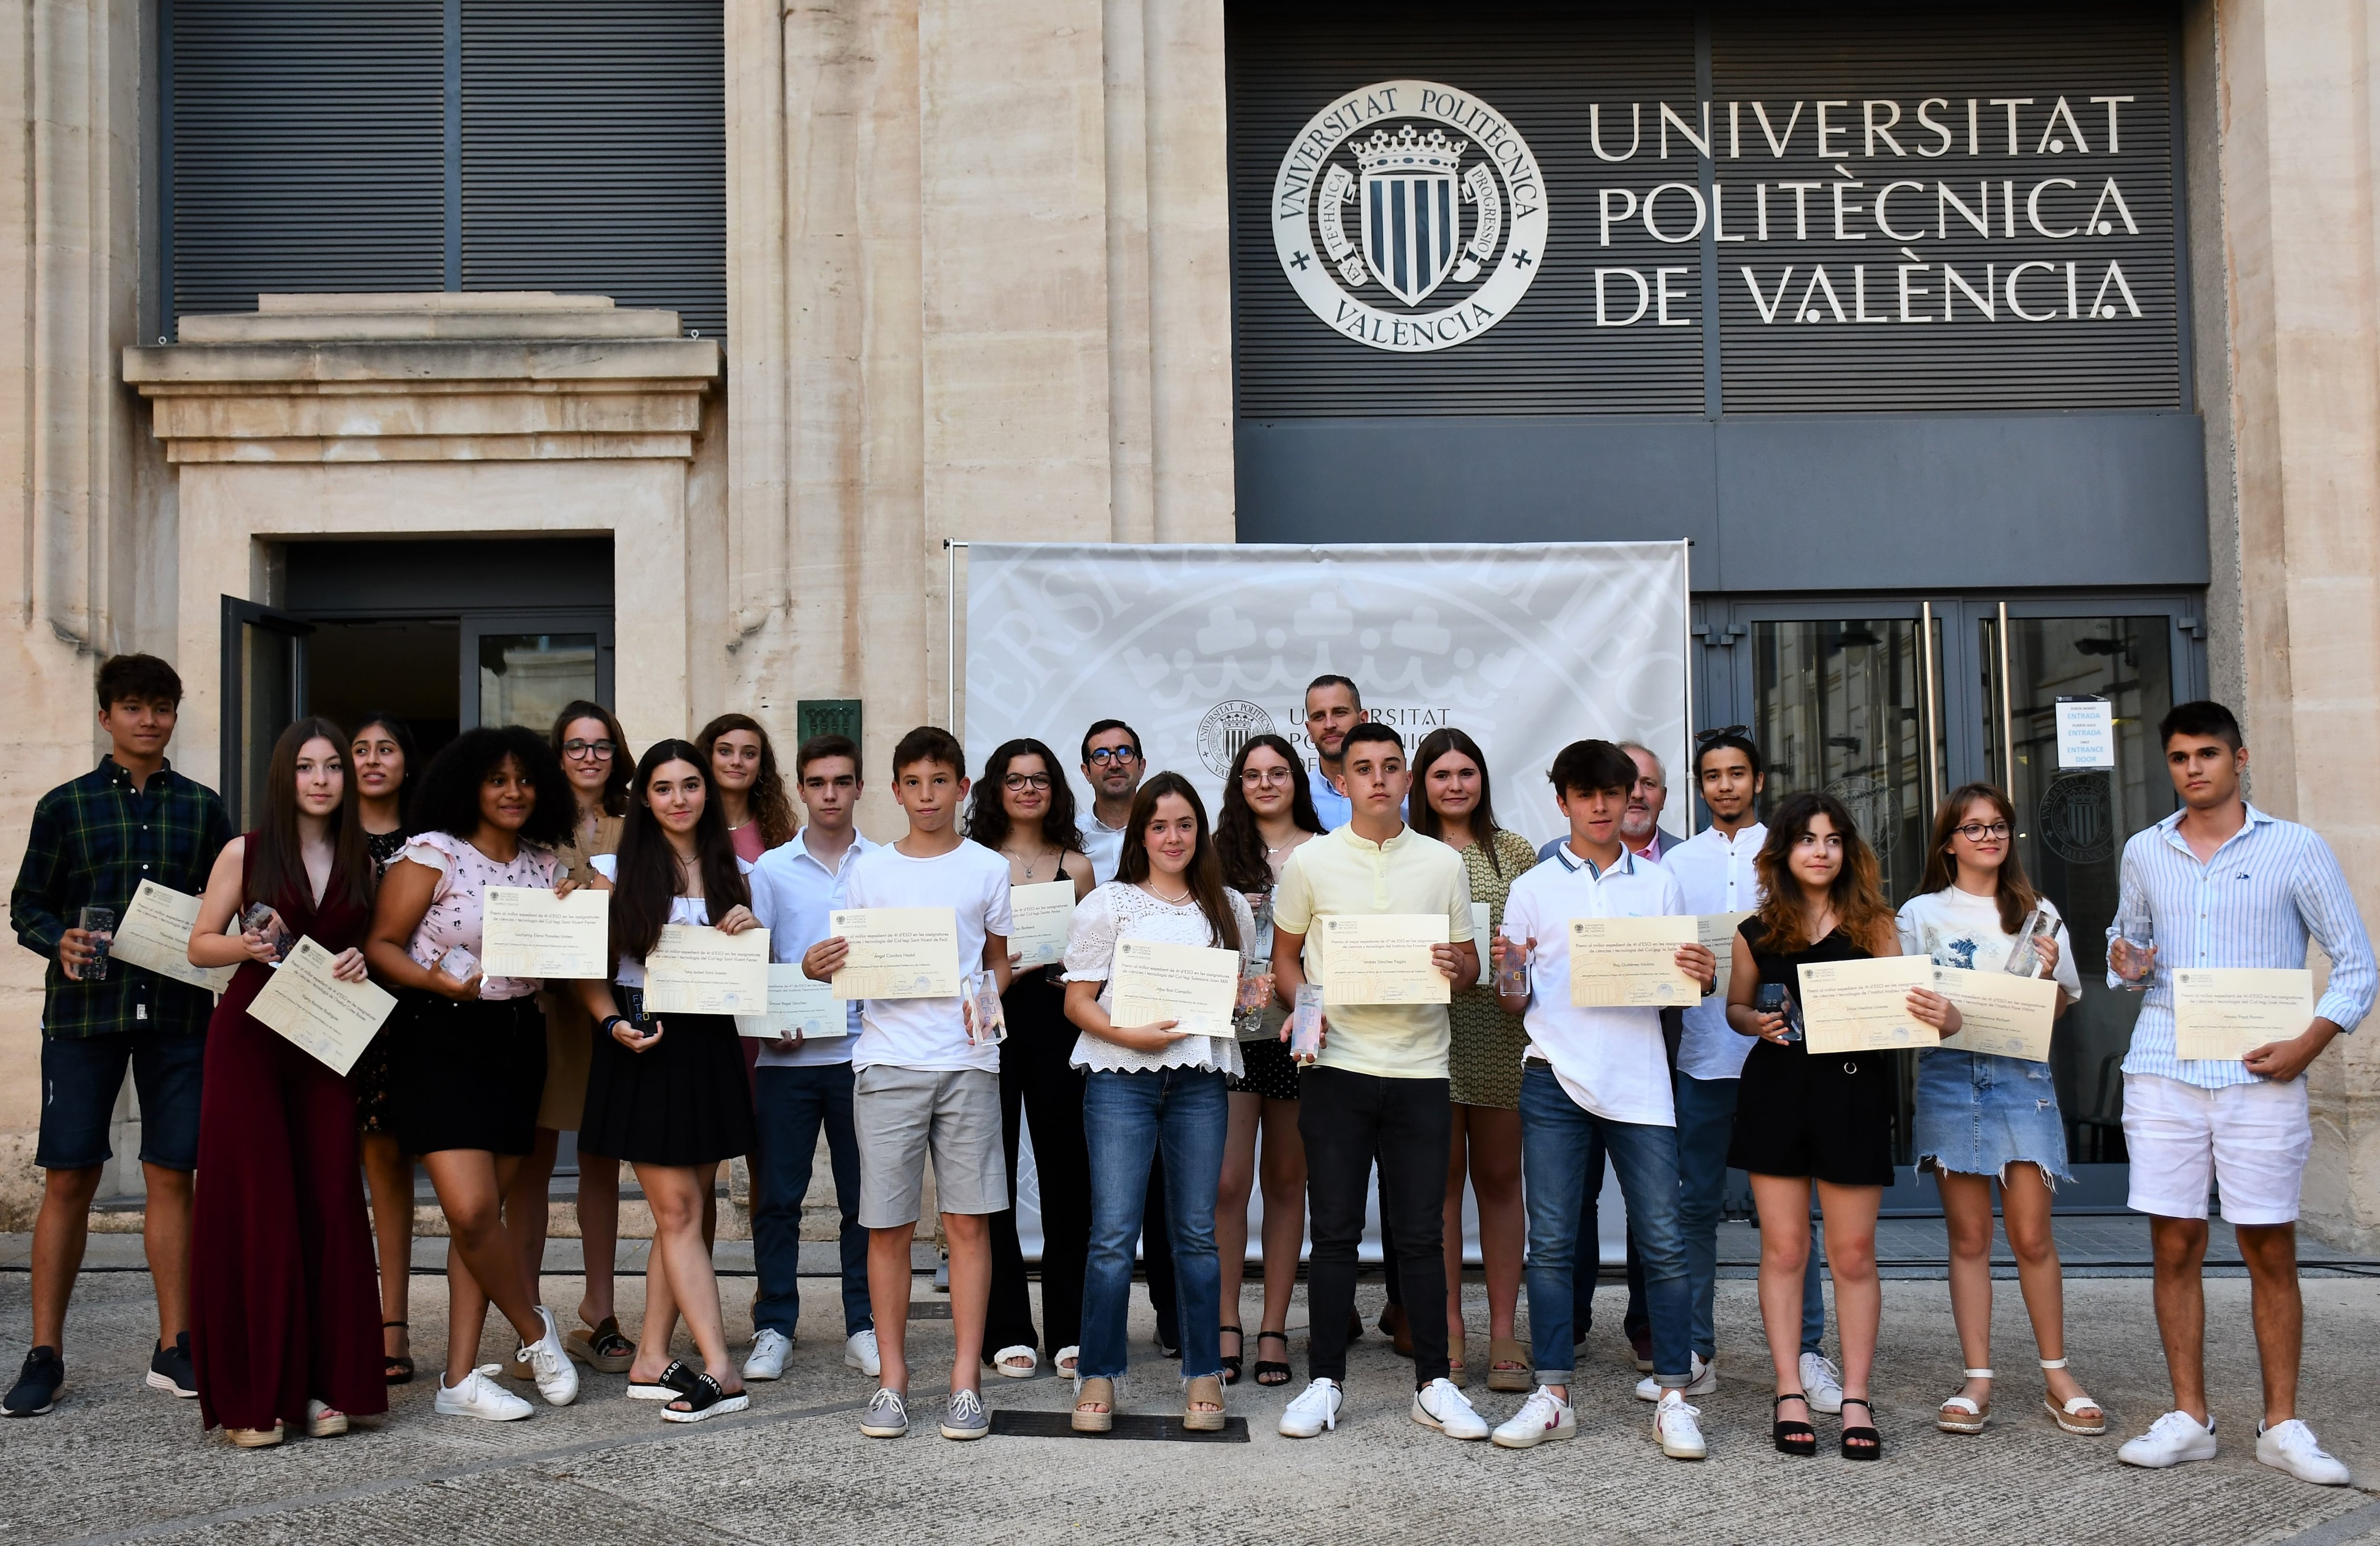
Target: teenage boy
[[1112, 766], [2221, 884], [801, 1086], [923, 1083], [1715, 874], [93, 841], [1379, 1087], [1593, 1081], [1333, 708]]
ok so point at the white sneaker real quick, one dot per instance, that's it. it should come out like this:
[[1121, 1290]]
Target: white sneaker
[[1543, 1415], [770, 1346], [859, 1353], [1705, 1381], [2172, 1439], [2291, 1447], [1674, 1426], [480, 1396], [1314, 1408], [1821, 1382], [549, 1364], [1441, 1406]]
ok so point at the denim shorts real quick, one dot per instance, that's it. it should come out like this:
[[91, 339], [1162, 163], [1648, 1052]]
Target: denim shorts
[[82, 1077], [1978, 1113]]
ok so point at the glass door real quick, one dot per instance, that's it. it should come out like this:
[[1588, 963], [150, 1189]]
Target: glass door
[[523, 669], [263, 688]]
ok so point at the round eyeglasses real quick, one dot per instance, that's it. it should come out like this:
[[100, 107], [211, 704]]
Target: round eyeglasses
[[1026, 780], [601, 750]]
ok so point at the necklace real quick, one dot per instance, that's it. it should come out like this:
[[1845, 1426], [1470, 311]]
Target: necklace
[[1150, 887], [1029, 863]]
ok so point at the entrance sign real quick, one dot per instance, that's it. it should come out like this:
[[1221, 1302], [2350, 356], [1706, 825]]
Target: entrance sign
[[2086, 732]]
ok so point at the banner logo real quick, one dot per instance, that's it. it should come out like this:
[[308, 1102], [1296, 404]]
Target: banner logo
[[1406, 159], [1227, 727]]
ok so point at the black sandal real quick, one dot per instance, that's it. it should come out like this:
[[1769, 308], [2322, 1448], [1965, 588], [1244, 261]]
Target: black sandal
[[707, 1399], [1231, 1361], [1796, 1438], [676, 1377], [395, 1369], [1861, 1444], [1270, 1371]]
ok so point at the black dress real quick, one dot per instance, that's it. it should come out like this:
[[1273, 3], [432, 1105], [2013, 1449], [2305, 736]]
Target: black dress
[[1826, 1116], [370, 1078], [684, 1100]]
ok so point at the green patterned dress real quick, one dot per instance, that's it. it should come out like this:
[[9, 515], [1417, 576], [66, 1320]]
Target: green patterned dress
[[1484, 1059]]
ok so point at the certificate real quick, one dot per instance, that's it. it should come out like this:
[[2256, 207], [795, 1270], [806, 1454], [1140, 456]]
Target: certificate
[[526, 931], [1382, 958], [1630, 963], [697, 969], [2225, 1013], [331, 1021], [796, 1004], [1194, 986], [154, 934], [1043, 914], [2009, 1017], [897, 951], [1856, 1006], [1717, 930]]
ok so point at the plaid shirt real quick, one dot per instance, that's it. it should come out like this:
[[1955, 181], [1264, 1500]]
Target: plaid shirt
[[93, 841]]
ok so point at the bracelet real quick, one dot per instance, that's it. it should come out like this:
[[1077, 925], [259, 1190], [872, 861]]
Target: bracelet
[[611, 1020]]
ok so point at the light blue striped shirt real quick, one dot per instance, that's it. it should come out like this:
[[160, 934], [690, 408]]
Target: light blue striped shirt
[[2269, 887]]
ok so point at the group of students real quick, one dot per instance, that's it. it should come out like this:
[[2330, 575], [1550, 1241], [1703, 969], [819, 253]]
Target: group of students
[[1151, 1135]]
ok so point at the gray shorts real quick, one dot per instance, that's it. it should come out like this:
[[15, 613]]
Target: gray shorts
[[900, 1116]]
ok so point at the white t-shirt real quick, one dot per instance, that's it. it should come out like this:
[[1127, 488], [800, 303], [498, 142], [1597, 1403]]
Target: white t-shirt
[[1959, 929], [1715, 875], [1611, 1062], [1116, 912], [971, 881], [695, 910]]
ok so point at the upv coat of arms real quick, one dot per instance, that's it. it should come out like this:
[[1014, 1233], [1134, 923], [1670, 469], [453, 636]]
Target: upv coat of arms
[[1369, 228]]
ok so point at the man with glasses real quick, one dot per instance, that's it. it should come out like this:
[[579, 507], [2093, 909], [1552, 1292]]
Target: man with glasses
[[1112, 767]]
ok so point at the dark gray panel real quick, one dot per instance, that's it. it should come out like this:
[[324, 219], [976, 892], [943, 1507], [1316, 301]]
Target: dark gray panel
[[439, 577]]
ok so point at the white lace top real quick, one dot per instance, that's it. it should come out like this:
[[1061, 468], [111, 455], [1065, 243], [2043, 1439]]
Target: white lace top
[[1116, 912], [456, 903]]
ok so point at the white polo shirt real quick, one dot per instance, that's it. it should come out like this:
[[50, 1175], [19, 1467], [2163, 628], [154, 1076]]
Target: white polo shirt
[[1715, 874], [1611, 1062]]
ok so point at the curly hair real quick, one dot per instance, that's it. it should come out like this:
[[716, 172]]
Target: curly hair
[[1856, 895], [448, 799], [988, 820], [769, 804]]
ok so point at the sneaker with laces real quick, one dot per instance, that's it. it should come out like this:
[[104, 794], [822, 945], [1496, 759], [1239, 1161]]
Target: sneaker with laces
[[887, 1415], [1543, 1415], [169, 1369], [480, 1396], [770, 1346], [2171, 1439], [38, 1384], [1314, 1408], [965, 1418], [1705, 1381], [549, 1363], [2291, 1447], [1442, 1405], [1822, 1382], [859, 1353], [1676, 1426]]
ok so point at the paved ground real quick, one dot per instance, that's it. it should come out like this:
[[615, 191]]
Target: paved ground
[[119, 1462]]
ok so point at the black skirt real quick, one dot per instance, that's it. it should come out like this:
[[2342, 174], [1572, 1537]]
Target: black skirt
[[1826, 1116], [465, 1075], [684, 1100]]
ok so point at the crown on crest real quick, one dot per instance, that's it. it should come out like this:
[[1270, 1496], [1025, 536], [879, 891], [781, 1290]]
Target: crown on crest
[[1408, 149]]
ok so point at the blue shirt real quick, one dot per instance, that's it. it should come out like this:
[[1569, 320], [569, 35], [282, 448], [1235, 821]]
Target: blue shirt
[[792, 894], [2271, 886], [1336, 810]]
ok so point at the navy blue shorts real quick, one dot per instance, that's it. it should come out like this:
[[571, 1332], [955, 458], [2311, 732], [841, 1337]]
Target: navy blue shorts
[[82, 1077]]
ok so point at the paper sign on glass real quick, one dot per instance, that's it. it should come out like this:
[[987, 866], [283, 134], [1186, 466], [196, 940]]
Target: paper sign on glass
[[697, 969], [897, 951], [154, 934], [1043, 914], [330, 1020], [528, 931], [2008, 1016], [1189, 984], [2086, 734], [1631, 963], [1382, 958], [797, 1004], [1716, 931], [2225, 1013], [1856, 1006]]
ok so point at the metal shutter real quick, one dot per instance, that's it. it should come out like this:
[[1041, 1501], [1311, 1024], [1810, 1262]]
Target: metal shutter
[[595, 152]]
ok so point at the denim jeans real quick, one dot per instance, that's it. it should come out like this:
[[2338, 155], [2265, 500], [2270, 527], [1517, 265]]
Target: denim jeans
[[1706, 1117], [1563, 1146], [1127, 1119], [790, 1106]]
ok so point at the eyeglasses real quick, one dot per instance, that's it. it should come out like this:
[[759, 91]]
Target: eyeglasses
[[1252, 776], [1976, 832], [1102, 755], [1026, 781], [1704, 737], [601, 750]]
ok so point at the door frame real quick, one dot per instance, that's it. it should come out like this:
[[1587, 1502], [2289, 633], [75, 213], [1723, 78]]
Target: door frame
[[474, 625], [239, 617]]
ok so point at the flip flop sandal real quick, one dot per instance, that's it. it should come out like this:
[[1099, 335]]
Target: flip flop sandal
[[1509, 1366], [601, 1348], [2064, 1416], [1090, 1396], [707, 1399], [1270, 1371], [395, 1369], [1204, 1388], [1970, 1417], [1003, 1362], [675, 1380]]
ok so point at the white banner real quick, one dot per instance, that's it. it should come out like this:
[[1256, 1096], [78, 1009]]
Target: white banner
[[1527, 647]]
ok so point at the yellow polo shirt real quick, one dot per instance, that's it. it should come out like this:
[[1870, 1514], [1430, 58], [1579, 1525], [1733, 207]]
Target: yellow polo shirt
[[1340, 872]]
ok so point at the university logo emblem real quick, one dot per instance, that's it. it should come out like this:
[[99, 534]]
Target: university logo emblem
[[1228, 726], [1371, 206]]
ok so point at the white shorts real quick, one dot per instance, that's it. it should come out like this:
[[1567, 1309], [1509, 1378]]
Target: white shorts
[[2250, 1140]]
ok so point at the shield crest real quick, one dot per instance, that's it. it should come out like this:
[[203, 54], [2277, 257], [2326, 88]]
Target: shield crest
[[1411, 212]]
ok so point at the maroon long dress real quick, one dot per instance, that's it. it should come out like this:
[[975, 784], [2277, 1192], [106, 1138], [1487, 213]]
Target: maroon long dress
[[284, 1303]]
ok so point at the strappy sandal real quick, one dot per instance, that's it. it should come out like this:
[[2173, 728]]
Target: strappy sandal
[[1794, 1437], [1509, 1367], [1272, 1372], [601, 1347], [2064, 1417], [1231, 1361], [1202, 1388], [1972, 1418], [1457, 1370], [675, 1380], [707, 1399], [396, 1369], [1095, 1405], [1861, 1444]]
